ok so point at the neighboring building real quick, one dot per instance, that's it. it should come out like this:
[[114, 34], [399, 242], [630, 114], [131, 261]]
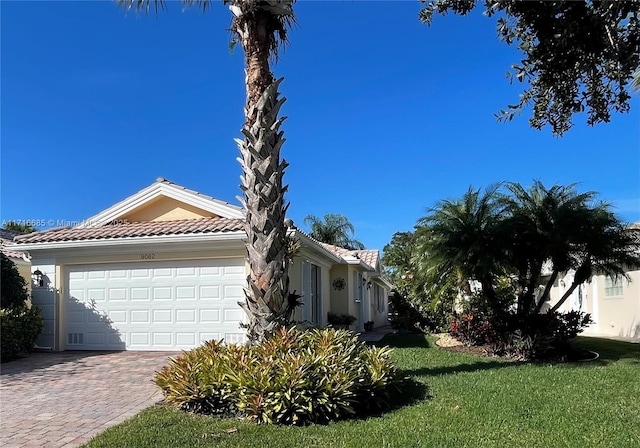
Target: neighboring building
[[165, 269], [614, 303]]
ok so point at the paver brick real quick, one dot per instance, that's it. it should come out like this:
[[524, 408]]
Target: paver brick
[[64, 399]]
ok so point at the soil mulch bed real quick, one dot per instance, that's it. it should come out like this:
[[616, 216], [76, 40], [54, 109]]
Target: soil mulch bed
[[447, 342]]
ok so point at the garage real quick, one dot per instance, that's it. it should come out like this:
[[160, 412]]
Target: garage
[[168, 305]]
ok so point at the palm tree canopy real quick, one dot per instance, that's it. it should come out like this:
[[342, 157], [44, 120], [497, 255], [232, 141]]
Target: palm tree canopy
[[334, 229], [483, 236], [461, 234]]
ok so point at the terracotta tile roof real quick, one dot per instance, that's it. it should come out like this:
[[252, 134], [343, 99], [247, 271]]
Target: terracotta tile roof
[[136, 229], [7, 245], [370, 257], [8, 250], [367, 256]]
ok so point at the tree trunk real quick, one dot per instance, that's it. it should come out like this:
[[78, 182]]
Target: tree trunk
[[265, 296], [547, 291], [582, 275], [566, 295]]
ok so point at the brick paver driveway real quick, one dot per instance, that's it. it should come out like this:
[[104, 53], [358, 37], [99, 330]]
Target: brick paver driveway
[[63, 399]]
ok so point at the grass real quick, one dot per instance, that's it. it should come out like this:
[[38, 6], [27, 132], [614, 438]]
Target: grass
[[457, 400]]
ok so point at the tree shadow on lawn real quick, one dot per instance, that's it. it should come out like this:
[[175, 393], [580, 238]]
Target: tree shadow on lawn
[[411, 393], [609, 351], [403, 341], [462, 368]]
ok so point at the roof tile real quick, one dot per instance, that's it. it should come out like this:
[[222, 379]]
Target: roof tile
[[136, 229]]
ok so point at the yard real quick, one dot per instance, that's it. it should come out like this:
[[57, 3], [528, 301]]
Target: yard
[[458, 400]]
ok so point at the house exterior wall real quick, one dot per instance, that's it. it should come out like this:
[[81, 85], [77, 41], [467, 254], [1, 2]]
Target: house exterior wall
[[615, 316], [340, 297], [46, 298], [165, 209]]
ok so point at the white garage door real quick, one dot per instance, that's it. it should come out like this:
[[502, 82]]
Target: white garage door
[[154, 305]]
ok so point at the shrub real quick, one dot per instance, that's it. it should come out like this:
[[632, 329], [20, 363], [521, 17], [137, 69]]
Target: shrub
[[403, 314], [292, 377], [532, 336], [19, 329], [471, 329], [343, 321], [13, 292]]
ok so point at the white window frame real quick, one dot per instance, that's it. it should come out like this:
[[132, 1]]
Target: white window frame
[[613, 286]]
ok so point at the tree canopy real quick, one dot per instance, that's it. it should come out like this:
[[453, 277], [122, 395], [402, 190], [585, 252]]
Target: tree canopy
[[333, 229], [526, 236], [577, 56], [19, 227]]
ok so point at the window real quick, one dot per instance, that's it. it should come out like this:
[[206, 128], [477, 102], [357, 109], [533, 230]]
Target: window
[[378, 294], [312, 292], [613, 286]]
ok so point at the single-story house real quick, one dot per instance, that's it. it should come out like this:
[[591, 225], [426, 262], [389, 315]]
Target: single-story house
[[165, 268], [613, 302]]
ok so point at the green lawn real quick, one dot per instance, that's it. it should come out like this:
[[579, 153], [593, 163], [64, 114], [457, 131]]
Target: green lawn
[[459, 401]]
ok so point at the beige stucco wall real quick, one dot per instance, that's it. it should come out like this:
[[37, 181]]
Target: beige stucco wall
[[165, 209], [46, 298], [617, 316], [340, 298]]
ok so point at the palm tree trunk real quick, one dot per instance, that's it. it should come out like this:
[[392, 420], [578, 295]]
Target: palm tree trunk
[[565, 296], [265, 296], [547, 291]]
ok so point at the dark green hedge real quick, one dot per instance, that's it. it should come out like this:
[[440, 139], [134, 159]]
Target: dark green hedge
[[19, 329]]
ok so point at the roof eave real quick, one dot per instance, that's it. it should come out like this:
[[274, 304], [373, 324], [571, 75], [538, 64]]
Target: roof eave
[[156, 239]]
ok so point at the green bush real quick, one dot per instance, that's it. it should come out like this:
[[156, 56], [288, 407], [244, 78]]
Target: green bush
[[531, 336], [13, 292], [19, 329], [343, 321], [293, 377]]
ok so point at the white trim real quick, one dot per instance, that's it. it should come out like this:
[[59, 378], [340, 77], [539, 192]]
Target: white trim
[[162, 188], [310, 244], [222, 236]]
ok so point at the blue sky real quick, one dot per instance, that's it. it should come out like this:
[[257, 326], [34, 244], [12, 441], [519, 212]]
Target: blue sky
[[386, 115]]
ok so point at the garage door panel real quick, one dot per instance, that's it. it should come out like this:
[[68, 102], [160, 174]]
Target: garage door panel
[[185, 292], [188, 316], [210, 316], [118, 316], [162, 316], [161, 293], [163, 339], [234, 292], [162, 273], [156, 306], [211, 271], [210, 292], [96, 295], [117, 294], [140, 294]]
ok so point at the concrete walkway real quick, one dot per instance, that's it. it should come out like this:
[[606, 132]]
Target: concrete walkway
[[63, 399]]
